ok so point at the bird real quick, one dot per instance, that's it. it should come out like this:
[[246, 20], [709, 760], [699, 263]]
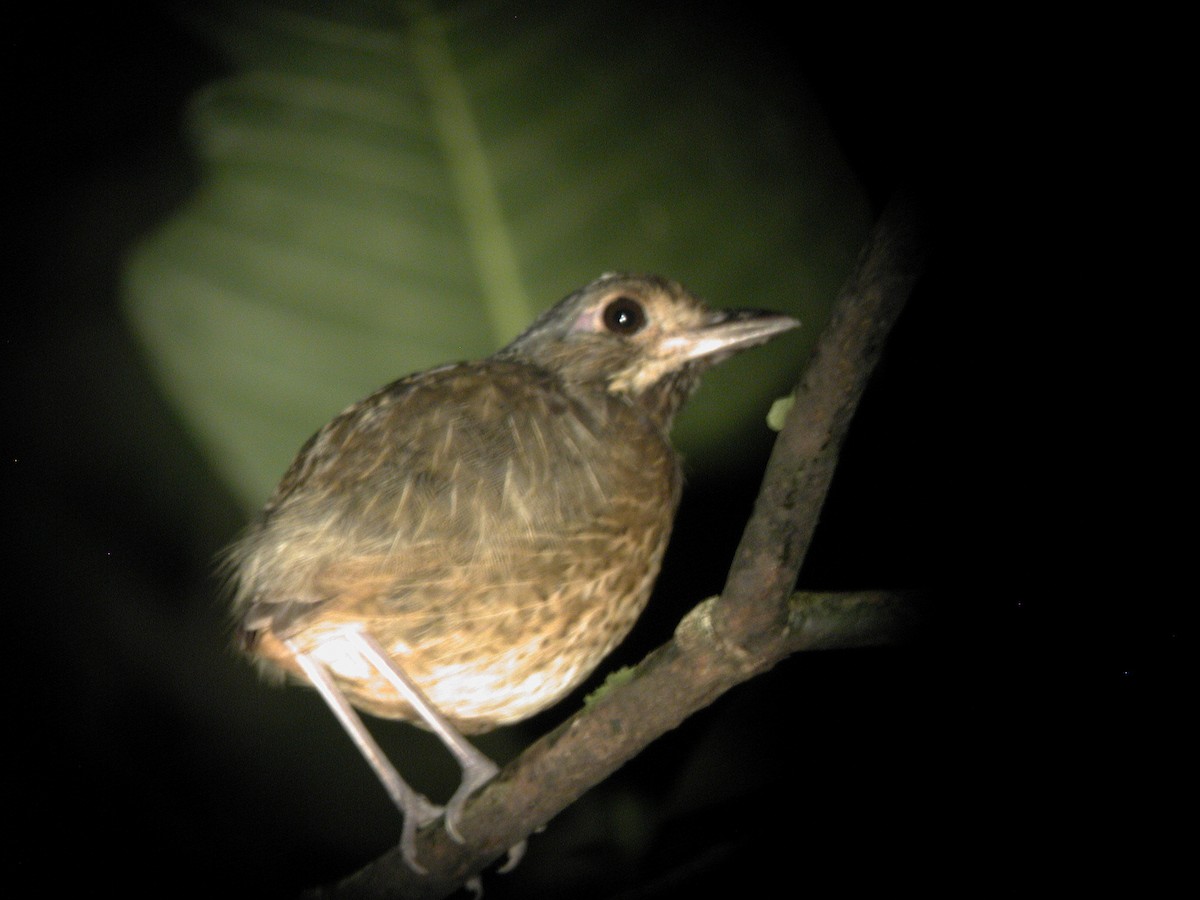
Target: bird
[[463, 547]]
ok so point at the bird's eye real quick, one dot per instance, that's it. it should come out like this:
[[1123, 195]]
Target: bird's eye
[[624, 316]]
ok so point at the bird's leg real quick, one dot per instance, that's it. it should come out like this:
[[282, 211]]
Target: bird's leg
[[477, 769], [415, 807]]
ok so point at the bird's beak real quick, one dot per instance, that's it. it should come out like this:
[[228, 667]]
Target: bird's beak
[[726, 333]]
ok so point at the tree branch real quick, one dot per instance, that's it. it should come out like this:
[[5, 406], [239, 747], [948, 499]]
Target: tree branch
[[726, 640], [801, 466]]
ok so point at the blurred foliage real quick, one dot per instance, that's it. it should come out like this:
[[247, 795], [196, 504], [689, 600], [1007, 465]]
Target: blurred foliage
[[389, 187]]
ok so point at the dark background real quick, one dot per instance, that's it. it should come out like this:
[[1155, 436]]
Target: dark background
[[1032, 733]]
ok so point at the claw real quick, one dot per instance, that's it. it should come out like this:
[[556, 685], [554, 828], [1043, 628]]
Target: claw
[[417, 815], [476, 773], [515, 854]]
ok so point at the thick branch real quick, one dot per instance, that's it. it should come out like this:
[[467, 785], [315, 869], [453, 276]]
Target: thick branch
[[724, 640], [801, 467]]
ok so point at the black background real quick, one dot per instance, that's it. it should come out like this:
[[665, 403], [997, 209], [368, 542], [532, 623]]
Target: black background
[[1031, 735]]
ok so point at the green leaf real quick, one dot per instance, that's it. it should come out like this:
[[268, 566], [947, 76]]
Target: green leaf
[[390, 188]]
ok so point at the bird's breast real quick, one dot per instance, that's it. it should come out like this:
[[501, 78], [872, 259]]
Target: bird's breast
[[498, 534]]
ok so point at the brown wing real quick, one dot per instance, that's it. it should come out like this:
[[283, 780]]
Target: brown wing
[[462, 504]]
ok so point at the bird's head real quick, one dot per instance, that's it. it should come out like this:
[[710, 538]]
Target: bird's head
[[641, 336]]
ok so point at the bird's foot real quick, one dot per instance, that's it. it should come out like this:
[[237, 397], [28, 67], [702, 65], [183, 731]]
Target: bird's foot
[[477, 771], [418, 813]]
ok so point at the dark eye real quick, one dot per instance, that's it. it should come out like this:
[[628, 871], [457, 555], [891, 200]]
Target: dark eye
[[624, 316]]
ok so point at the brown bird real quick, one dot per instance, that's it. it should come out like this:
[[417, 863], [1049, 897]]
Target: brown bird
[[463, 547]]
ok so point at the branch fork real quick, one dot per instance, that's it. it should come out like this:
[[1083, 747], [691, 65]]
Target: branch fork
[[755, 622]]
